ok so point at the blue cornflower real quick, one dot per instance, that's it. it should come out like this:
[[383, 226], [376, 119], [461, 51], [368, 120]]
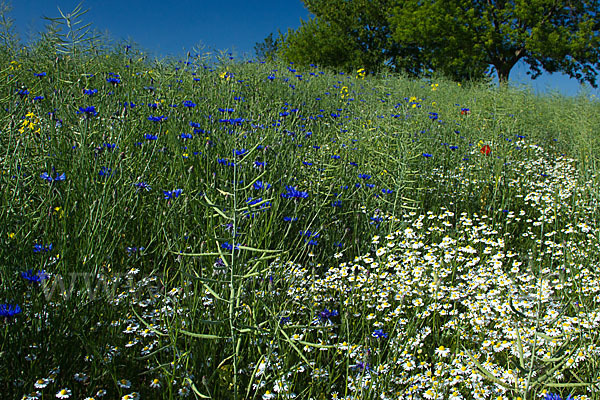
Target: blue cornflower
[[143, 186], [433, 116], [7, 310], [360, 366], [308, 233], [228, 246], [326, 315], [90, 92], [387, 191], [186, 136], [150, 137], [46, 177], [104, 171], [427, 155], [240, 152], [554, 396], [335, 157], [88, 111], [290, 219], [376, 219], [49, 178], [232, 121], [39, 248], [172, 194], [37, 98], [364, 176], [293, 193], [114, 80], [252, 201], [227, 110], [157, 119], [23, 92], [379, 333], [133, 250], [337, 203], [40, 74], [34, 277], [188, 103], [260, 185]]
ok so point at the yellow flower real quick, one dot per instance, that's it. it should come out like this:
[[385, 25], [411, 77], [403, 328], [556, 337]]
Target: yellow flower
[[11, 235], [361, 73], [59, 211], [344, 92], [434, 86]]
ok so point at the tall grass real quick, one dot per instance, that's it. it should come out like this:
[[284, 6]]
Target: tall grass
[[248, 230]]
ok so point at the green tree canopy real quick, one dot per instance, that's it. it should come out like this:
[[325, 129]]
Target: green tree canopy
[[462, 39], [321, 43], [466, 34], [350, 34]]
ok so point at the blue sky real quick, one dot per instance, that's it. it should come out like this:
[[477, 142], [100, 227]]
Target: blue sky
[[174, 27]]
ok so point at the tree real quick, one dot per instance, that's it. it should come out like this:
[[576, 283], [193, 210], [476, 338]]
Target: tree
[[464, 35], [267, 49], [319, 42], [364, 24], [352, 34]]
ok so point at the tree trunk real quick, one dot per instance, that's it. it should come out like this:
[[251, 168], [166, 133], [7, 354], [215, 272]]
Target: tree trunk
[[503, 71]]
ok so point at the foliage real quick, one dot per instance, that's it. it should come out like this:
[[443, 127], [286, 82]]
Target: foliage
[[267, 49], [349, 35], [465, 36], [462, 40], [319, 42]]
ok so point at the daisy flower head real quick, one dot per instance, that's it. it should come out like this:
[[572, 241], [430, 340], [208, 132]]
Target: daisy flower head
[[155, 383], [63, 394], [41, 383], [442, 351], [32, 396], [124, 383]]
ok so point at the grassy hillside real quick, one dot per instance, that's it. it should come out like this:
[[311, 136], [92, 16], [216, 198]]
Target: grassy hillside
[[248, 230]]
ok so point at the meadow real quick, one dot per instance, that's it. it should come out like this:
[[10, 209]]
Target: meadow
[[258, 230]]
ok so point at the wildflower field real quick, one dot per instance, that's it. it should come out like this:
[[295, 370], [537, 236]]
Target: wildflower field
[[246, 230]]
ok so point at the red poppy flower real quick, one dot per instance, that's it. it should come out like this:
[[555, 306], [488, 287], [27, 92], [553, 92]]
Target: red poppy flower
[[486, 150]]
